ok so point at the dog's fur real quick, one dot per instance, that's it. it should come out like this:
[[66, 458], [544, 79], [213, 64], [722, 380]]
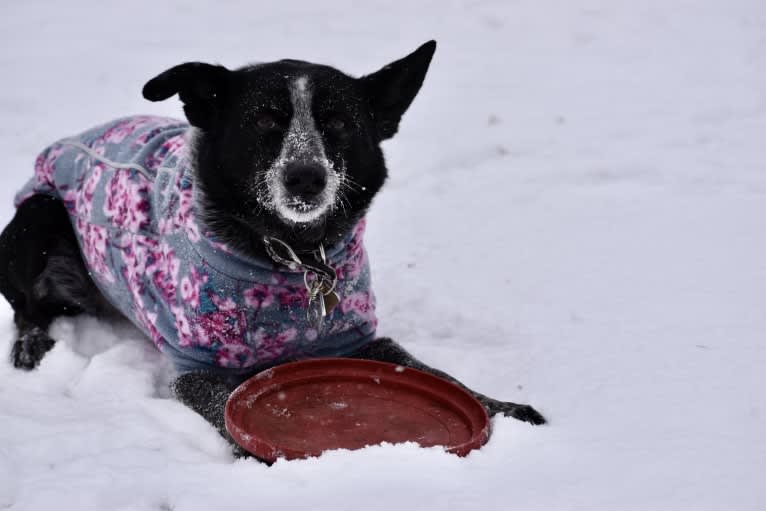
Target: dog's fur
[[287, 149]]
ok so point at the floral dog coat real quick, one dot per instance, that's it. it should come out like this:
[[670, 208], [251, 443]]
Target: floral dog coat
[[129, 191]]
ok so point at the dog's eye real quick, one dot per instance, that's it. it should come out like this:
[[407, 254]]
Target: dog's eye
[[266, 122], [336, 124]]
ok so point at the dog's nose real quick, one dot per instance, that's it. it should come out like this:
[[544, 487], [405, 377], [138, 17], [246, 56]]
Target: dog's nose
[[306, 179]]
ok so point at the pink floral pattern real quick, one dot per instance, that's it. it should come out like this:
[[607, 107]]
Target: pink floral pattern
[[221, 327], [235, 356], [190, 286], [170, 146], [93, 246], [273, 345], [86, 191], [361, 303], [125, 201], [44, 166], [259, 296], [163, 270], [181, 216], [123, 128]]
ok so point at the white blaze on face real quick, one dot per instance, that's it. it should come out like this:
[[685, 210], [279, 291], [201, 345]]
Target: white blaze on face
[[302, 144]]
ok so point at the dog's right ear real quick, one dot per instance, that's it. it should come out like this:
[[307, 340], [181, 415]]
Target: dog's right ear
[[200, 86]]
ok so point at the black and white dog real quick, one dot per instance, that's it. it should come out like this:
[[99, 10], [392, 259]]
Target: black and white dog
[[257, 124]]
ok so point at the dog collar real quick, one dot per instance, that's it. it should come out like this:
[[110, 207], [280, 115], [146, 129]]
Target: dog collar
[[319, 277]]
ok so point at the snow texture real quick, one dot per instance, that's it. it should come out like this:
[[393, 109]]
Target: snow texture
[[574, 219]]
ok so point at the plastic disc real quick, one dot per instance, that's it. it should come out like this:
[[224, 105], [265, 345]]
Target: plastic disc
[[300, 409]]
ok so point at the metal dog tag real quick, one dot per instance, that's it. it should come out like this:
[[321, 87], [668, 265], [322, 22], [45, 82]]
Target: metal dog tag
[[316, 310], [331, 300]]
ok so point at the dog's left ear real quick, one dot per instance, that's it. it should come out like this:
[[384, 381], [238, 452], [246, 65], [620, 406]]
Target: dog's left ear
[[200, 86], [391, 90]]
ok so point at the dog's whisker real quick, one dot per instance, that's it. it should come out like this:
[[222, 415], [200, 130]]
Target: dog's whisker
[[348, 182]]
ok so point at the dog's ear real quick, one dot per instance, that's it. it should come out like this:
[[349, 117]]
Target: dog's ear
[[200, 86], [391, 90]]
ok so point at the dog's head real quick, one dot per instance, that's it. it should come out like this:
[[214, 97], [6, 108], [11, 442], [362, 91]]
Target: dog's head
[[289, 148]]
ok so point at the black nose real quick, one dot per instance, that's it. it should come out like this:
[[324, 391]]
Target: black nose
[[305, 179]]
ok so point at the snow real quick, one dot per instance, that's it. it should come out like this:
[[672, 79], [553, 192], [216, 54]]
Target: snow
[[574, 219]]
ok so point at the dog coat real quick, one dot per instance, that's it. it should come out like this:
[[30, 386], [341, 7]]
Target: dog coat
[[129, 191]]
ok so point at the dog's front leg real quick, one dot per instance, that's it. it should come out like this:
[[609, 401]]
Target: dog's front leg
[[206, 393], [386, 350]]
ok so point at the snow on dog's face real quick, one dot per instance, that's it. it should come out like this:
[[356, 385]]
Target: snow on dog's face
[[289, 148]]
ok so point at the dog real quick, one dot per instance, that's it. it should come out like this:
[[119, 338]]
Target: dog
[[234, 241]]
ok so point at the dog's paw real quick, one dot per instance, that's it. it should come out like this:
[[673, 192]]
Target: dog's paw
[[206, 394], [200, 390], [30, 348], [521, 412]]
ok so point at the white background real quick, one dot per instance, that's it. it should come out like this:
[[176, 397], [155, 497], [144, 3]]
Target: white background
[[574, 218]]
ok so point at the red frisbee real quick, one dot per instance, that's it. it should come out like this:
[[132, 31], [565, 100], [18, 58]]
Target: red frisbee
[[300, 409]]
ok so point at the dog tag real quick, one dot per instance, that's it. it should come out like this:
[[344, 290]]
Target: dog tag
[[331, 300], [316, 311], [329, 296]]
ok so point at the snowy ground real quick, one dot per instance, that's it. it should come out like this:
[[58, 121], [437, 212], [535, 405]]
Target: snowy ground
[[575, 218]]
